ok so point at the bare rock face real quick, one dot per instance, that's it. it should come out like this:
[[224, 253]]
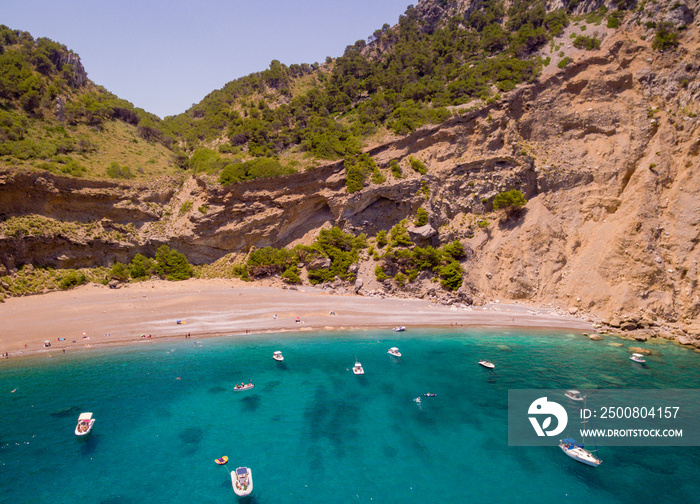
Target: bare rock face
[[606, 152], [320, 263], [78, 76], [424, 232]]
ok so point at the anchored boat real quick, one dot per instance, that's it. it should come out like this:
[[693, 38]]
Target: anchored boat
[[243, 386], [577, 451], [242, 481], [85, 423], [487, 364]]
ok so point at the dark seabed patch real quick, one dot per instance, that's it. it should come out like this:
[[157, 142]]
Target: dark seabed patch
[[66, 412], [251, 402], [270, 386], [191, 435]]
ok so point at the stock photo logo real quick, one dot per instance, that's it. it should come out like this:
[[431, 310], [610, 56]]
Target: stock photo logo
[[541, 407]]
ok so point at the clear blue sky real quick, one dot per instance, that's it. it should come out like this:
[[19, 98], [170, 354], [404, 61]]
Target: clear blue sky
[[164, 56]]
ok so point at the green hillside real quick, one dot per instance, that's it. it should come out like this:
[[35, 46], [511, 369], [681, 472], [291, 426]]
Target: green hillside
[[53, 118], [288, 118]]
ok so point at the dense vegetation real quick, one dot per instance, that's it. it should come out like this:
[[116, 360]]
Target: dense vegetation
[[168, 264], [329, 257], [401, 78], [53, 118], [334, 255], [400, 259], [404, 78]]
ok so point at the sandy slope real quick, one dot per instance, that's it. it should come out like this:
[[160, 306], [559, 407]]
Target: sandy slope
[[93, 315]]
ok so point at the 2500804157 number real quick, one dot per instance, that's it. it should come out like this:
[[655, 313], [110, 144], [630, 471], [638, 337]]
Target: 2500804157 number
[[639, 412]]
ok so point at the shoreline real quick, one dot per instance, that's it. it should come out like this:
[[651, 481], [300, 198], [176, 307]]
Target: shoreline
[[95, 316]]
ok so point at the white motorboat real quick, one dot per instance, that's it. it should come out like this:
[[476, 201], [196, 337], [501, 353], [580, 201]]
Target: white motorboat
[[574, 395], [637, 357], [85, 423], [278, 356], [577, 452], [242, 481], [399, 328], [243, 386], [487, 364], [394, 351], [357, 368]]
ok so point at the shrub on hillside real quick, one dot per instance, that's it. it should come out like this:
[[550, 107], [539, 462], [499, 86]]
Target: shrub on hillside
[[511, 201], [291, 275], [141, 267], [395, 168], [587, 43], [417, 165], [451, 276], [455, 250], [253, 169], [171, 264], [357, 169], [381, 238], [119, 172], [119, 272], [206, 161], [270, 261], [72, 279], [421, 217], [398, 235], [666, 37]]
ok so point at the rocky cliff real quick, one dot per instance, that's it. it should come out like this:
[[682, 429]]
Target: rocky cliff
[[606, 150]]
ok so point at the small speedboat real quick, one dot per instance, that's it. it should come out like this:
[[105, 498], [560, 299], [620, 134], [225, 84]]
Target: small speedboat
[[278, 356], [242, 481], [394, 351], [243, 386], [637, 357], [357, 368], [399, 328], [574, 395], [430, 394], [487, 364], [222, 460], [577, 452], [85, 423]]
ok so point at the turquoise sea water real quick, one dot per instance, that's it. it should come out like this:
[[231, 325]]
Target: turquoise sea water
[[312, 431]]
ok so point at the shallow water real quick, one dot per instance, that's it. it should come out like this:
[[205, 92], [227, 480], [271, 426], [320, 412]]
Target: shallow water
[[312, 431]]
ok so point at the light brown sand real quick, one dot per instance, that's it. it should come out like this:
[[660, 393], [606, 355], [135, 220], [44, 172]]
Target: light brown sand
[[94, 316]]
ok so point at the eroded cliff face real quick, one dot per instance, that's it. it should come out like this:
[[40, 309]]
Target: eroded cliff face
[[606, 150]]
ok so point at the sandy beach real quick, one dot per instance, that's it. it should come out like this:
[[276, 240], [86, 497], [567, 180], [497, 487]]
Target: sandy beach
[[94, 316]]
